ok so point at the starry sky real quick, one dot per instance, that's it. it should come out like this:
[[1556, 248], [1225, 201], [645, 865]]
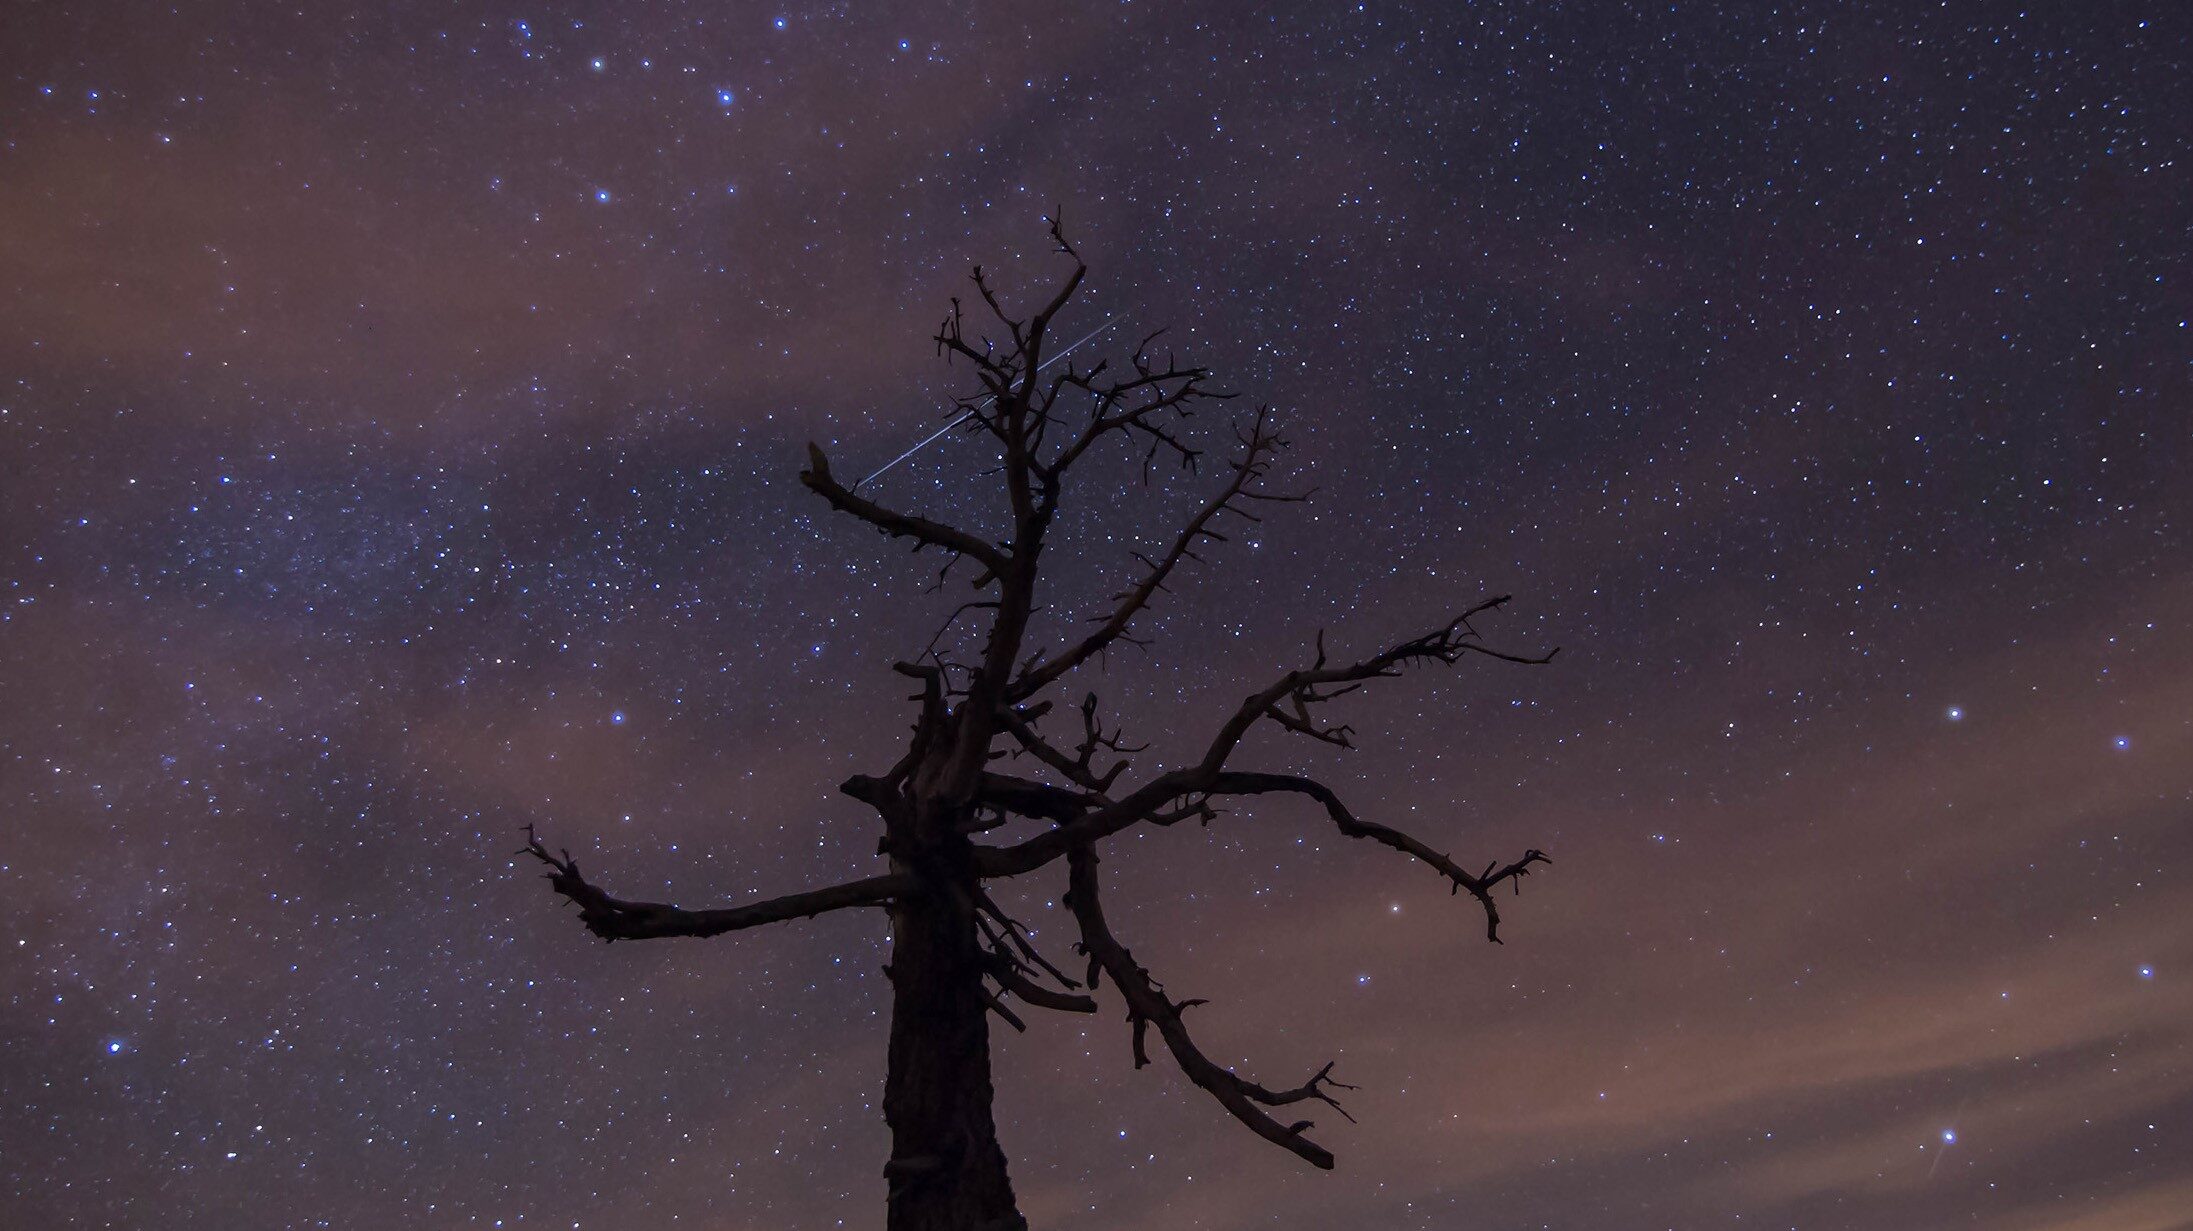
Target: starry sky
[[399, 415]]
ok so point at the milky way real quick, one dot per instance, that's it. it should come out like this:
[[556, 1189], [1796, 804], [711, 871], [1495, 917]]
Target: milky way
[[400, 411]]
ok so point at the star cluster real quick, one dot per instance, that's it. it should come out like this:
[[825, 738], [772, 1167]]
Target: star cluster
[[399, 415]]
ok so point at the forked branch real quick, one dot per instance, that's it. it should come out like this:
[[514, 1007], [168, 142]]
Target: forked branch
[[1148, 1005], [1479, 885], [1301, 689], [1258, 443], [615, 919], [1017, 965]]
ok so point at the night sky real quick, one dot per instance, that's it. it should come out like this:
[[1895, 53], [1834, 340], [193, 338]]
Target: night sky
[[399, 418]]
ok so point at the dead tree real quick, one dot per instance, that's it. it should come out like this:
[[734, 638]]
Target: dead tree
[[956, 957]]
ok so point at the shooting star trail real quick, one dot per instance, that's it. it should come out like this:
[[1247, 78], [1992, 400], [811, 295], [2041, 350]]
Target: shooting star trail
[[926, 441]]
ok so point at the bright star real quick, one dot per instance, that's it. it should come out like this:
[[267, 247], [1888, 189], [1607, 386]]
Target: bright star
[[2122, 742], [602, 195], [616, 718], [2147, 972], [1956, 713], [1949, 1136]]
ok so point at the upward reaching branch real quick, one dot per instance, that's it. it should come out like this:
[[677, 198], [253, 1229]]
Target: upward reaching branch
[[1259, 442]]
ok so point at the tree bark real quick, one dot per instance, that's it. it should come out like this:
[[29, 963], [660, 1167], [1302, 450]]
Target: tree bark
[[946, 1171]]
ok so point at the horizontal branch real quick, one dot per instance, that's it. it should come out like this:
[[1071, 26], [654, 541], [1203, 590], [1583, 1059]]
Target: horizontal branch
[[818, 479], [1479, 885], [616, 919], [1022, 797], [1448, 644]]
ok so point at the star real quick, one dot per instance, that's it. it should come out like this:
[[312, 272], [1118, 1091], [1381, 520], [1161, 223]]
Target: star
[[1732, 346]]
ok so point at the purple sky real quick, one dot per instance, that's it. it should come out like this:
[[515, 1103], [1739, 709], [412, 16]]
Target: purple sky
[[399, 415]]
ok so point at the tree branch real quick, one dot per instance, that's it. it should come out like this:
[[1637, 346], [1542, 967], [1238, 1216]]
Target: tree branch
[[1010, 978], [1015, 962], [1130, 405], [1258, 444], [1040, 800], [1303, 687], [1019, 722], [1148, 1005], [925, 533], [615, 919], [1480, 886]]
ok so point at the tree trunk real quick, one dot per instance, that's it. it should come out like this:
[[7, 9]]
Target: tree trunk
[[946, 1171]]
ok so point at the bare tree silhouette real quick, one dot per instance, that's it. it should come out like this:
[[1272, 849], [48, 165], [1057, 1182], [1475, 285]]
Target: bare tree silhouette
[[956, 956]]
